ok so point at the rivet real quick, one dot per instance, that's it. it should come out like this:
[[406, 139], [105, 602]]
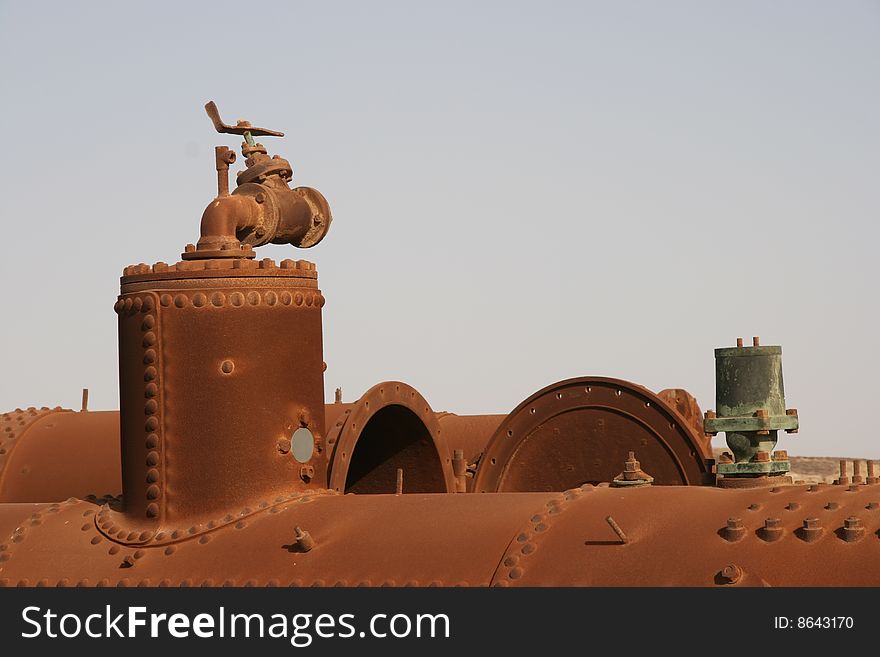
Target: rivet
[[137, 304], [204, 539], [515, 573], [152, 510], [734, 530], [771, 531], [152, 458], [170, 550], [145, 536], [153, 492], [240, 524], [227, 366], [127, 304], [180, 300], [149, 339], [811, 530], [832, 506], [310, 299], [149, 304], [199, 299], [152, 424], [298, 299], [286, 298], [253, 298], [149, 357], [853, 529], [271, 298], [236, 298], [151, 407], [151, 390], [218, 299], [176, 533], [793, 506], [113, 549], [148, 323], [152, 475], [731, 573]]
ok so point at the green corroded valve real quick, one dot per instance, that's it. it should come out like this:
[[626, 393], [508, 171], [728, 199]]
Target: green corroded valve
[[751, 409]]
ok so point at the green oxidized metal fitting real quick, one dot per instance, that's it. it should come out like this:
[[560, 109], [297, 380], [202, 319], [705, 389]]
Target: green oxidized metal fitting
[[750, 403]]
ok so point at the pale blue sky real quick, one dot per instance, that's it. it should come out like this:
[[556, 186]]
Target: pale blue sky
[[522, 192]]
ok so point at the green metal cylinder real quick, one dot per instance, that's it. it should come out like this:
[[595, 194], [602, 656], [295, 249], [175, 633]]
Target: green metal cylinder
[[747, 380], [750, 402]]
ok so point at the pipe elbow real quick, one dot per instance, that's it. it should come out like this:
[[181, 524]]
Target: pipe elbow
[[223, 218]]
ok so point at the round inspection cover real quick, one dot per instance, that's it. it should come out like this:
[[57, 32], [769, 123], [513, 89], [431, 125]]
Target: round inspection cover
[[581, 430]]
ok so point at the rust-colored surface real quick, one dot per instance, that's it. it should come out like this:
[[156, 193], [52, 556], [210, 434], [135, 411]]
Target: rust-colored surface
[[234, 472], [402, 436], [469, 433], [581, 431], [685, 404], [48, 455], [674, 536], [218, 367], [390, 427]]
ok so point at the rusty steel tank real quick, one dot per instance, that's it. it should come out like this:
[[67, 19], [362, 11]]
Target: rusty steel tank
[[227, 448], [579, 437]]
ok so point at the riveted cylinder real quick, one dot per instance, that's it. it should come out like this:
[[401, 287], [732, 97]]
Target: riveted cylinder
[[209, 389]]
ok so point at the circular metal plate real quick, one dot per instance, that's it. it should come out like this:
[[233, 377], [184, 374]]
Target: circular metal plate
[[580, 431], [302, 445]]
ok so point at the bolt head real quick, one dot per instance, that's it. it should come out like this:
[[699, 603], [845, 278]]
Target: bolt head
[[852, 523]]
